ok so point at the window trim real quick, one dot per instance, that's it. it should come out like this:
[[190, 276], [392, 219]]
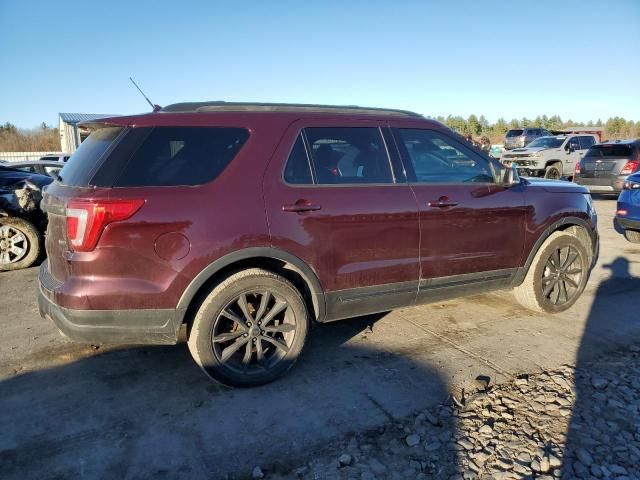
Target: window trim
[[315, 184], [412, 179]]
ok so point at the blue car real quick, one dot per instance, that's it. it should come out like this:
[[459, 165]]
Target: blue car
[[628, 211]]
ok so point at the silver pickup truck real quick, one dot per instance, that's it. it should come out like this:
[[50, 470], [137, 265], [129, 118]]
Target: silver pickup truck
[[551, 156]]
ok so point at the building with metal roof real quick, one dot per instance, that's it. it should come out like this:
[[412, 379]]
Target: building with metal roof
[[72, 135]]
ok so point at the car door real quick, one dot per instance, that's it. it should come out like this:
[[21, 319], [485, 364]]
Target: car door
[[472, 227], [335, 201]]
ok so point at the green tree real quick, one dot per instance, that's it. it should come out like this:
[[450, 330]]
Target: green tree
[[473, 126]]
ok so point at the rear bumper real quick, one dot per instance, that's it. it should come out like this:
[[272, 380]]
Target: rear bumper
[[602, 184], [628, 224], [107, 326]]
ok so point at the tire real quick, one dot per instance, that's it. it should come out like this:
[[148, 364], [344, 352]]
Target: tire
[[553, 171], [20, 243], [225, 321], [632, 235], [565, 287]]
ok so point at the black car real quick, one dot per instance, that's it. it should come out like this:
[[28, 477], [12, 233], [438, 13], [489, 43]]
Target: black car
[[22, 222]]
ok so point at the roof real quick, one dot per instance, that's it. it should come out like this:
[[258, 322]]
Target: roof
[[46, 163], [219, 106], [82, 117], [624, 141]]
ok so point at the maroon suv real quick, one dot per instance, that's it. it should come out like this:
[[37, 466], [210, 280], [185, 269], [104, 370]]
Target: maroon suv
[[248, 222]]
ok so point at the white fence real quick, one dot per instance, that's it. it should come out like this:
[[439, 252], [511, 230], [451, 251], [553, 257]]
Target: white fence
[[24, 156]]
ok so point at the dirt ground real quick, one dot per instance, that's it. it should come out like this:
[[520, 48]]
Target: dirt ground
[[73, 411]]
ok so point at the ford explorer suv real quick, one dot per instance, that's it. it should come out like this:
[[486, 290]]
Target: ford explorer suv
[[606, 166], [521, 137], [550, 157], [249, 222]]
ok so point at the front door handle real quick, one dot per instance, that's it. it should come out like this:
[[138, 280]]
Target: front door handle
[[442, 203], [301, 206]]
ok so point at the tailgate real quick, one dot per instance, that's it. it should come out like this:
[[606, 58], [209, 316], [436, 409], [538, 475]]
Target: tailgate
[[600, 167]]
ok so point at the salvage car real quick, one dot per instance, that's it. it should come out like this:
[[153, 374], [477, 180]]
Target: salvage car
[[628, 209], [247, 222], [606, 166], [551, 157], [22, 222], [41, 167]]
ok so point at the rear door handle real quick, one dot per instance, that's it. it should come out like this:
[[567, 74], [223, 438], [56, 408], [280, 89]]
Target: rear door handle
[[301, 206], [442, 203]]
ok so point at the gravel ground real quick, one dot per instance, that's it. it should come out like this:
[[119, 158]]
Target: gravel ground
[[567, 423]]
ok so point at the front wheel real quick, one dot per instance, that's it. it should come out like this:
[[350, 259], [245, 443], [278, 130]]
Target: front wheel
[[250, 329], [553, 172], [20, 243], [557, 276], [632, 235]]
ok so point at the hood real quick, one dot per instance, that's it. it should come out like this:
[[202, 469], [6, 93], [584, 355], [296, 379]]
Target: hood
[[20, 191], [556, 186], [527, 150]]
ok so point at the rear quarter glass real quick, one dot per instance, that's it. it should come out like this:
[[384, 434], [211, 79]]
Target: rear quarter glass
[[79, 169], [170, 156]]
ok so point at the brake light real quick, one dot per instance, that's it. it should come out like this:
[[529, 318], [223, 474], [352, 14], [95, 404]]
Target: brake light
[[630, 167], [578, 169], [622, 213], [86, 220]]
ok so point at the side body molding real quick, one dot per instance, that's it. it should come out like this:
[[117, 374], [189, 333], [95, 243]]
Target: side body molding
[[291, 262]]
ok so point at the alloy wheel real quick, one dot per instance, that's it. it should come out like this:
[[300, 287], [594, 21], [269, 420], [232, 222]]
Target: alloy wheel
[[253, 332], [562, 276], [13, 245]]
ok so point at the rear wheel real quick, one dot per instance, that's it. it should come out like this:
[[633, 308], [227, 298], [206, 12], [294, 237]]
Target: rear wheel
[[632, 235], [557, 276], [20, 243], [553, 171], [250, 329]]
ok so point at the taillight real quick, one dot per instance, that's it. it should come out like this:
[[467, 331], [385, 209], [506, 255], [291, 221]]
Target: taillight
[[86, 220], [578, 169], [630, 167], [630, 185]]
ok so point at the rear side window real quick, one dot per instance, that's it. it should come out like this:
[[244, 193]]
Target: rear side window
[[79, 169], [347, 155], [514, 133], [600, 151], [171, 156], [586, 142], [298, 171]]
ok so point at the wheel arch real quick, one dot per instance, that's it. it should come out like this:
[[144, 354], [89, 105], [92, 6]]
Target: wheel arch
[[579, 227], [278, 261]]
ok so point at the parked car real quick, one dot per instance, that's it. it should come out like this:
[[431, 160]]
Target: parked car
[[605, 167], [41, 167], [22, 222], [550, 157], [521, 137], [55, 157], [247, 222], [628, 211]]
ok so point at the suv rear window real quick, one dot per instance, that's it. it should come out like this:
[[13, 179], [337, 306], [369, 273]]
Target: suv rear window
[[600, 151], [171, 156], [514, 133], [79, 169]]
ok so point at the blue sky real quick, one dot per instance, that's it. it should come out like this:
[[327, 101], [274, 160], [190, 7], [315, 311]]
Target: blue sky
[[577, 59]]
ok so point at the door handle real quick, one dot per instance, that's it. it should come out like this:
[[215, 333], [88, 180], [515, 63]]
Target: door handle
[[301, 206], [442, 203]]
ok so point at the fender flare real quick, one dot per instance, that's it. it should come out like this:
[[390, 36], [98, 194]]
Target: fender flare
[[291, 261], [565, 221]]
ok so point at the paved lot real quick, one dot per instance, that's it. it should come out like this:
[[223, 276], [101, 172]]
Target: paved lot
[[69, 411]]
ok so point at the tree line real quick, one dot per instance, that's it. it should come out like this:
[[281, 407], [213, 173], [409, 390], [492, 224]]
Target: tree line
[[478, 127], [41, 139]]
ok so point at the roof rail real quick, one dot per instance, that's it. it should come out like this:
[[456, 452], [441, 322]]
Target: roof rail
[[220, 106]]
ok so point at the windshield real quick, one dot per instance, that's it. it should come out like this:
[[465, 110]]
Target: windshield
[[514, 133], [547, 142]]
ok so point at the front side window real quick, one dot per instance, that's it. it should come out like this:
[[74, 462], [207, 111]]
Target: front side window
[[546, 142], [573, 143], [437, 158], [348, 155]]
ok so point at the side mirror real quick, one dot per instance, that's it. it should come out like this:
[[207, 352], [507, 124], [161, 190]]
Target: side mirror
[[510, 176]]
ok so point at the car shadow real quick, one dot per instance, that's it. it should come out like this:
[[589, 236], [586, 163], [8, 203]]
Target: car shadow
[[601, 431], [151, 413]]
